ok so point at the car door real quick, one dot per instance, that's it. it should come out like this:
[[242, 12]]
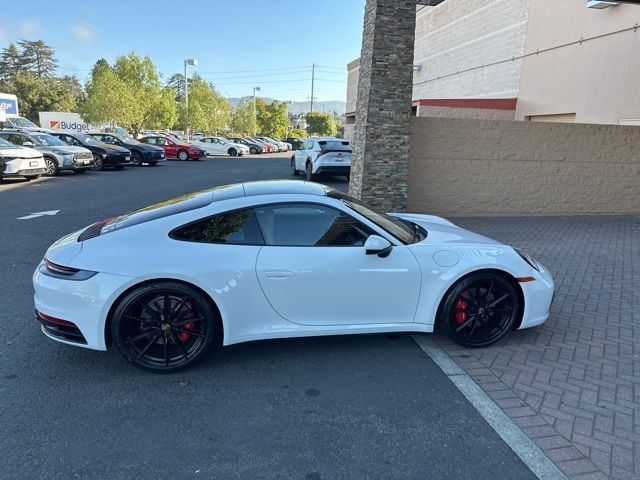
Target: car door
[[314, 269]]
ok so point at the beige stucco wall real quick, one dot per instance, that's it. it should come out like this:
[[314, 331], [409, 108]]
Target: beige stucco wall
[[353, 76], [596, 79], [464, 167]]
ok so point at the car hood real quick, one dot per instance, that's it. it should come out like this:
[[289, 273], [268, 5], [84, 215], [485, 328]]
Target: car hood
[[19, 152], [443, 232], [114, 149], [65, 149]]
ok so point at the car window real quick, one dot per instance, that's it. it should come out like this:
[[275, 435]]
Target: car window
[[18, 139], [162, 141], [310, 225], [237, 228]]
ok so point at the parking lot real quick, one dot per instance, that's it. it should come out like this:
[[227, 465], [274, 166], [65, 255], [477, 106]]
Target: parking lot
[[319, 408]]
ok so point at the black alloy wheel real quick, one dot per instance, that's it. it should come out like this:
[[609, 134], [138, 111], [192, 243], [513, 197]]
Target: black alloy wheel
[[98, 164], [183, 155], [309, 172], [163, 327], [480, 309], [136, 158], [233, 152], [51, 166]]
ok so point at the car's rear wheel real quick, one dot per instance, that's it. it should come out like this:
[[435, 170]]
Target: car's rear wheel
[[309, 172], [98, 163], [136, 158], [183, 155], [51, 166], [233, 152], [480, 309], [163, 327], [294, 170]]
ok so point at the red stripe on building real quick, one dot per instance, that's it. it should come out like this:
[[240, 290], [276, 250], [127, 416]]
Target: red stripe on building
[[486, 103]]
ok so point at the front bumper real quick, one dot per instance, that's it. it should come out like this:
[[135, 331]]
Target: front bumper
[[23, 167], [538, 296], [83, 303], [197, 155], [153, 157], [122, 159]]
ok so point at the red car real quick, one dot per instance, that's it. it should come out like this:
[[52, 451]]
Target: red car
[[174, 148]]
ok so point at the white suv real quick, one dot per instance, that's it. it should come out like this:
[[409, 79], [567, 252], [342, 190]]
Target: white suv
[[20, 161], [322, 155]]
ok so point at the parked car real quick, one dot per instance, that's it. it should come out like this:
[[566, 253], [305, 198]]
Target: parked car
[[18, 161], [268, 147], [221, 146], [239, 262], [296, 143], [276, 145], [197, 136], [140, 153], [322, 155], [24, 124], [103, 155], [254, 147], [175, 148], [282, 146], [57, 155]]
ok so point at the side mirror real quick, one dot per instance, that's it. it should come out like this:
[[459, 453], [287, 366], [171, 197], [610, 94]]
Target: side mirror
[[376, 245], [27, 144]]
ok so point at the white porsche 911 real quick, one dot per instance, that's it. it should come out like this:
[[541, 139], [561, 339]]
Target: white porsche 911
[[278, 259]]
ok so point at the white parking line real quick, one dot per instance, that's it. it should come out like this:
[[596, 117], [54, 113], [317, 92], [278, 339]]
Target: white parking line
[[532, 456], [49, 213]]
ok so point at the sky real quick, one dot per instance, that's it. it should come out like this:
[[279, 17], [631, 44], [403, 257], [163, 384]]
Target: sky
[[239, 44]]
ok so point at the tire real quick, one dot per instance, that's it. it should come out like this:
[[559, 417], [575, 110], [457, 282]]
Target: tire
[[183, 155], [79, 171], [164, 343], [309, 176], [233, 152], [98, 162], [253, 150], [118, 167], [294, 170], [136, 158], [31, 177], [152, 164], [51, 167], [480, 309]]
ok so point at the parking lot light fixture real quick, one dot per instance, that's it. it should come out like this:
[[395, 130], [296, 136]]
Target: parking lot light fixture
[[194, 62], [255, 111]]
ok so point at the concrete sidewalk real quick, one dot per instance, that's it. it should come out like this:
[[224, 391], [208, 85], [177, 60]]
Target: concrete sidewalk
[[573, 384]]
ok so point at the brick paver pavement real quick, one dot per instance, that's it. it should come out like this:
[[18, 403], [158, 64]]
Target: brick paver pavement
[[573, 384]]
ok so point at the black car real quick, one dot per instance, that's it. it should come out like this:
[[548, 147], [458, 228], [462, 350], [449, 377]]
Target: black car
[[296, 143], [254, 147], [140, 152], [103, 155]]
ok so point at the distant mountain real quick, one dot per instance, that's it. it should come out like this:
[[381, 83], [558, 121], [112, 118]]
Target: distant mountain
[[303, 107]]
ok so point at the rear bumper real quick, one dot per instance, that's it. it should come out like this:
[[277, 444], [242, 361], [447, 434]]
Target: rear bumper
[[334, 169]]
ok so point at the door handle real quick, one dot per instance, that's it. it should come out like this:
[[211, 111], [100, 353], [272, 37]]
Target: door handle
[[279, 273]]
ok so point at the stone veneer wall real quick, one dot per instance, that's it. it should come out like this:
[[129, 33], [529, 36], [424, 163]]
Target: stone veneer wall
[[464, 167], [383, 111]]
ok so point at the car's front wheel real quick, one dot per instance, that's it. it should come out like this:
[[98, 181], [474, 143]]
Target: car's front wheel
[[253, 150], [163, 327], [136, 159], [233, 152], [98, 163], [183, 155], [51, 166], [480, 309]]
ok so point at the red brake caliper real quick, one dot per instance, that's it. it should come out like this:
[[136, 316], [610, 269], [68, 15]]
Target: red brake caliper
[[460, 306], [191, 326]]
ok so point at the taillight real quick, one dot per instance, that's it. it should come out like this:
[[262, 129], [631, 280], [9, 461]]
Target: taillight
[[97, 229], [54, 270]]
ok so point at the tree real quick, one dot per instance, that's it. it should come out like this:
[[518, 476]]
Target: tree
[[108, 99], [39, 95], [243, 120], [10, 63], [272, 118], [176, 83], [38, 58], [297, 133], [148, 96], [321, 124], [208, 110], [75, 87]]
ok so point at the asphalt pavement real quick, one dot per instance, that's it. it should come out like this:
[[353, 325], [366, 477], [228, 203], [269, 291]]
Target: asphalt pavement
[[372, 406]]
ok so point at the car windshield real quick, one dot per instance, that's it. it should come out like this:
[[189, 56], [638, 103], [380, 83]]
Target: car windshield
[[89, 140], [4, 143], [334, 146], [48, 140], [22, 122], [392, 225]]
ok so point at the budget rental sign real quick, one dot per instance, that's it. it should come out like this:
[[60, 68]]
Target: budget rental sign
[[9, 104], [64, 122]]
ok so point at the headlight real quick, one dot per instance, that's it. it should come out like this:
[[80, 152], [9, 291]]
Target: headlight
[[527, 258]]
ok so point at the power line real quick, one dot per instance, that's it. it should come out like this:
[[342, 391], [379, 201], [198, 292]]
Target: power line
[[259, 70]]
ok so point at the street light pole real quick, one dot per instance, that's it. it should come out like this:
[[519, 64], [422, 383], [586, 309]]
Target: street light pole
[[255, 111], [188, 61]]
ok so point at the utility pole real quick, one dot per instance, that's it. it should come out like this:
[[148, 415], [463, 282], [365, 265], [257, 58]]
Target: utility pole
[[313, 81], [188, 61], [255, 111]]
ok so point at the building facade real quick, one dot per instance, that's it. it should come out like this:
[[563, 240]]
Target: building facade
[[535, 60]]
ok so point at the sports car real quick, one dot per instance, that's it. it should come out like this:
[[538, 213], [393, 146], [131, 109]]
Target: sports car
[[275, 259]]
